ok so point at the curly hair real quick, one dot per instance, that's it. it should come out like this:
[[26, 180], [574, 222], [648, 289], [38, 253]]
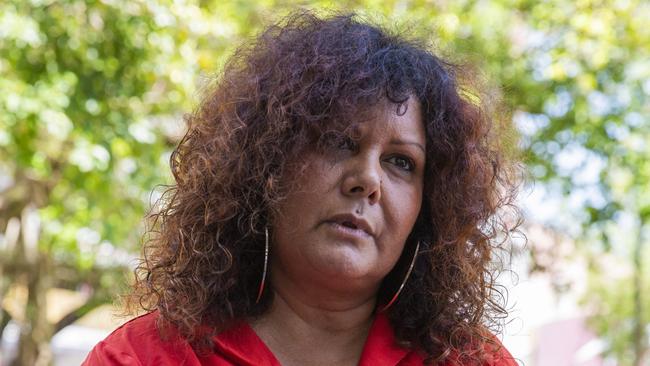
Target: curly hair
[[275, 98]]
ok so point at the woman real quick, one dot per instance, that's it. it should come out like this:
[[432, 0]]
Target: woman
[[336, 203]]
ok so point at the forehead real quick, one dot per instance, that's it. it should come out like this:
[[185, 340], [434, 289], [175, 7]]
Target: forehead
[[390, 119]]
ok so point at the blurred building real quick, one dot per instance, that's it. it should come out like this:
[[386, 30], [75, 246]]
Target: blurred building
[[547, 326]]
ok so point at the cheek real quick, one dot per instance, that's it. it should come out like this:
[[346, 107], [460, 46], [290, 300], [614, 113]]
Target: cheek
[[405, 208], [306, 188]]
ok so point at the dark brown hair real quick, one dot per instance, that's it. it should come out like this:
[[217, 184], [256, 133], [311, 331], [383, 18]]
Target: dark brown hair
[[276, 96]]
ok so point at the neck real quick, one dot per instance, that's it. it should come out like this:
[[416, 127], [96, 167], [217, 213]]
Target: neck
[[332, 315], [302, 328]]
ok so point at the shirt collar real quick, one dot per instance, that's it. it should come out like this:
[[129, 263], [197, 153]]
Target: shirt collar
[[242, 346], [381, 347]]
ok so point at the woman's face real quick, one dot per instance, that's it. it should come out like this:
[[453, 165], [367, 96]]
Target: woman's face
[[345, 223]]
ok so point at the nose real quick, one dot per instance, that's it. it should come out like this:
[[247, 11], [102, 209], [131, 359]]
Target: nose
[[363, 179]]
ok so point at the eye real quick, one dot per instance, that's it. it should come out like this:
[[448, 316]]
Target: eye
[[402, 163]]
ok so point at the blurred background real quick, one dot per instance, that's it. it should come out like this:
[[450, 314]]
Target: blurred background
[[92, 96]]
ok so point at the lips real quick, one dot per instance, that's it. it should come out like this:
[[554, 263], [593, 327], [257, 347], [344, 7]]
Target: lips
[[353, 222]]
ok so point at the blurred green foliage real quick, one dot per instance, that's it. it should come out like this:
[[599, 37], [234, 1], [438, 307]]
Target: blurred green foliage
[[89, 110], [92, 95]]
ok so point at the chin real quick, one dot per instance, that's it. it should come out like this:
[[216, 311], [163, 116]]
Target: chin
[[348, 268]]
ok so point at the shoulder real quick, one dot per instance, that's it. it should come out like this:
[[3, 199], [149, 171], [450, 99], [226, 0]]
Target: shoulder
[[382, 348], [138, 342], [497, 354], [493, 352]]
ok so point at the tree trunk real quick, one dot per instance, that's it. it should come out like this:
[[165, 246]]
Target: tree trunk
[[77, 314], [7, 256], [36, 332]]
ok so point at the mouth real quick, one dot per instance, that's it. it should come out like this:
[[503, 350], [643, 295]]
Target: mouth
[[349, 224], [352, 224]]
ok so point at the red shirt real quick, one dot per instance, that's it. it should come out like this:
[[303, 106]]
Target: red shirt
[[138, 343]]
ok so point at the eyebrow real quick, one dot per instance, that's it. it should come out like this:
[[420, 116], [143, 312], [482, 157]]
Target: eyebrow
[[400, 142]]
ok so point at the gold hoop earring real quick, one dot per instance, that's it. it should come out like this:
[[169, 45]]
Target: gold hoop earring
[[401, 286], [266, 264]]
